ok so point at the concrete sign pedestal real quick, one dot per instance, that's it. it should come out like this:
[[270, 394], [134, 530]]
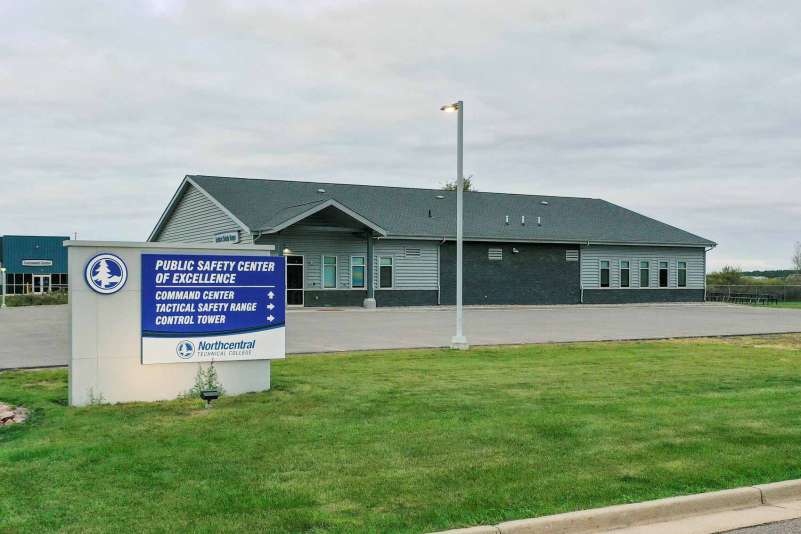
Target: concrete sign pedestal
[[106, 328]]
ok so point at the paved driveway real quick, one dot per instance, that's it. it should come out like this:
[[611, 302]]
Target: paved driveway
[[37, 335]]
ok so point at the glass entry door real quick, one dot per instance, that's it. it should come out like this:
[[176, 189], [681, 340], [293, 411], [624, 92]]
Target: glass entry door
[[41, 284], [294, 280]]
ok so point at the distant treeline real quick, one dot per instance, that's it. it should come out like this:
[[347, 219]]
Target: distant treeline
[[770, 274], [731, 275]]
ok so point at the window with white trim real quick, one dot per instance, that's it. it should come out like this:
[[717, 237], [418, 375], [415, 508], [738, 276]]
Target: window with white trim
[[645, 274], [385, 272], [625, 273], [357, 272], [329, 272], [663, 274], [604, 273]]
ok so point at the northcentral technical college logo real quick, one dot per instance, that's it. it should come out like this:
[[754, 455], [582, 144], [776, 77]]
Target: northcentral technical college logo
[[185, 349], [106, 273]]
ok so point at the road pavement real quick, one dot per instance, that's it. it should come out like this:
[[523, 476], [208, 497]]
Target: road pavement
[[38, 335], [783, 527]]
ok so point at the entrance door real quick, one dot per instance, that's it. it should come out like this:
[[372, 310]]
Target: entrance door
[[294, 280], [41, 284]]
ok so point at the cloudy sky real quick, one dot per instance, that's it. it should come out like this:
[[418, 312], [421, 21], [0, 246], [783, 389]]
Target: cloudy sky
[[687, 111]]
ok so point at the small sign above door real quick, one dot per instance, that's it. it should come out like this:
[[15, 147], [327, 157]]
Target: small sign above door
[[37, 263], [227, 237]]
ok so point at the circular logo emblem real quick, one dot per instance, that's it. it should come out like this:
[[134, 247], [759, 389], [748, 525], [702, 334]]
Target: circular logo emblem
[[106, 273], [185, 349]]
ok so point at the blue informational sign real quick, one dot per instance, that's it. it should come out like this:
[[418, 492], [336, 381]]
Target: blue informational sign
[[212, 308]]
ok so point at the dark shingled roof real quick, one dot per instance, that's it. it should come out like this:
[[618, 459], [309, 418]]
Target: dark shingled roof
[[263, 205]]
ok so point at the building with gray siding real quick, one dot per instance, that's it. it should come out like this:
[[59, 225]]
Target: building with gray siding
[[354, 245]]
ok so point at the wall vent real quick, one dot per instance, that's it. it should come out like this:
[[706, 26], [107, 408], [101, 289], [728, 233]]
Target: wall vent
[[523, 220], [506, 220], [571, 255], [495, 254], [413, 251]]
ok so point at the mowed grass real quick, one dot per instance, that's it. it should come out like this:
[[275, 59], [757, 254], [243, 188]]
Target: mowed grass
[[789, 304], [411, 441]]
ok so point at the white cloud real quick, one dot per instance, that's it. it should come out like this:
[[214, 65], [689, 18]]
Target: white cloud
[[687, 112]]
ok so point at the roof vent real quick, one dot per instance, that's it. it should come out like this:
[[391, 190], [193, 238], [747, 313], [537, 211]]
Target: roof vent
[[544, 202], [321, 190], [440, 197]]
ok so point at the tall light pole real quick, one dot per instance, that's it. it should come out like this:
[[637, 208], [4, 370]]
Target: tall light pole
[[459, 341], [3, 274]]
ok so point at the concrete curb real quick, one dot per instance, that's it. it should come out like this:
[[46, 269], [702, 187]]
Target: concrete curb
[[661, 510], [780, 491]]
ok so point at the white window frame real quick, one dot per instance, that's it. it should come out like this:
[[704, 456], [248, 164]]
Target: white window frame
[[363, 266], [659, 274], [620, 274], [678, 270], [639, 274], [392, 278], [608, 274], [322, 271]]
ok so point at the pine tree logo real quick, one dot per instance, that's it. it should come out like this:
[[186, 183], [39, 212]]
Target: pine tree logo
[[106, 273], [103, 275]]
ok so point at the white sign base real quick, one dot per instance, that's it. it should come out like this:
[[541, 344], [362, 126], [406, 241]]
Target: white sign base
[[106, 339]]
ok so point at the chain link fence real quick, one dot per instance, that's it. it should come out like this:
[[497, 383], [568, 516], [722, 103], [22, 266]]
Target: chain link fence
[[756, 294]]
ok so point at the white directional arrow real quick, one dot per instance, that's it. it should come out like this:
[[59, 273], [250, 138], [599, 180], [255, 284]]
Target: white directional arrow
[[270, 318], [271, 295], [270, 306]]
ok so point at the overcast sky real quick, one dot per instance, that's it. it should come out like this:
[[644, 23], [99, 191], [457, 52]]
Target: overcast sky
[[686, 111]]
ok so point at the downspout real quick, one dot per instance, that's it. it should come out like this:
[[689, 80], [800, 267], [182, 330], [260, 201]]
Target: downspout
[[705, 251], [581, 282], [370, 302], [439, 272]]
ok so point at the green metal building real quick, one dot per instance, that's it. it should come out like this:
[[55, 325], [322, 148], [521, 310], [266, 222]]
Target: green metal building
[[34, 264]]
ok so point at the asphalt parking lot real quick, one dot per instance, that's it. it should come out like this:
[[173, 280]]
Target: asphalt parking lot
[[38, 336]]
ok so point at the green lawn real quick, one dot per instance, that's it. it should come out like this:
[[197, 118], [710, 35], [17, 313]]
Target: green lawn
[[410, 441]]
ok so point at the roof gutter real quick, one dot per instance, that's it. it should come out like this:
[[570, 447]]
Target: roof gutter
[[553, 241]]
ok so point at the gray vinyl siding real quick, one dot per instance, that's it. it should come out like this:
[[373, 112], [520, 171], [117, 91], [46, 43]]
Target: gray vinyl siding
[[410, 272], [313, 246], [196, 219], [591, 257]]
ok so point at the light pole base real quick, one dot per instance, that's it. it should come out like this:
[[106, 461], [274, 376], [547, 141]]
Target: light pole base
[[369, 304], [459, 343]]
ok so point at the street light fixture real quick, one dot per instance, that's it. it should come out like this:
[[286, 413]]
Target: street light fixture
[[459, 341]]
